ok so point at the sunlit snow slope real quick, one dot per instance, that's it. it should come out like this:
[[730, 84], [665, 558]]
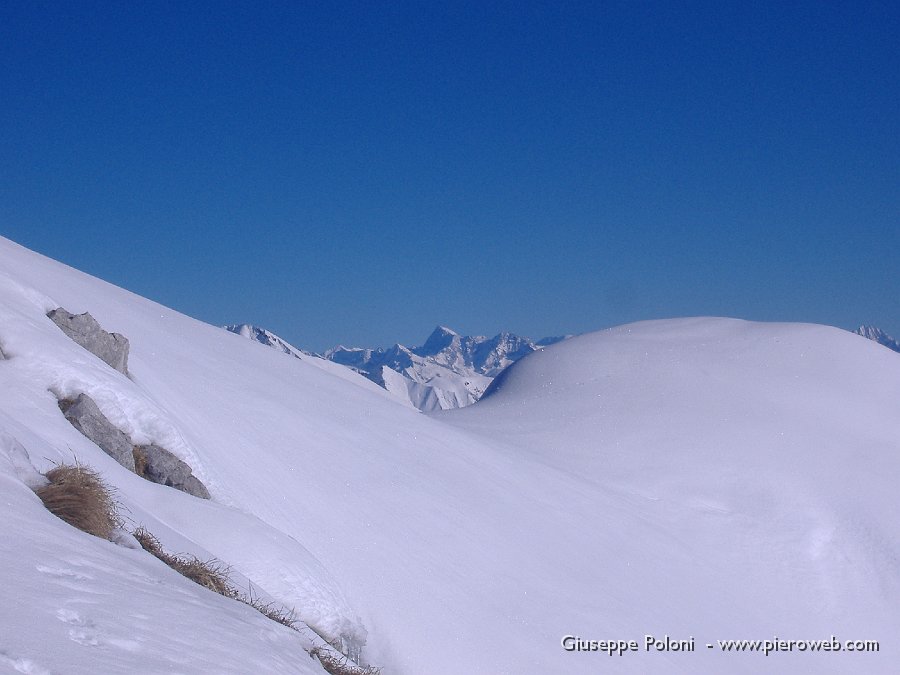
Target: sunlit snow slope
[[708, 478], [731, 479]]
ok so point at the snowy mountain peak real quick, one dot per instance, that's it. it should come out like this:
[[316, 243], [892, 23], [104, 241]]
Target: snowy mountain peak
[[443, 330], [877, 335], [440, 339]]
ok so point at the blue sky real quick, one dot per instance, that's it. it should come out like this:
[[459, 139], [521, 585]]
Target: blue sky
[[359, 173]]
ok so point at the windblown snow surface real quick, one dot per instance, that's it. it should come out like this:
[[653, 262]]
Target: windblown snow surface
[[705, 478]]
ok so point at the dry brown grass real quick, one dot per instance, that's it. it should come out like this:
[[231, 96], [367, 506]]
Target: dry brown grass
[[277, 613], [140, 461], [78, 495], [211, 574], [150, 543], [336, 663]]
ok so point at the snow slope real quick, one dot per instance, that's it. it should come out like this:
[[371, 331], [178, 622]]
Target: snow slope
[[710, 478], [269, 339], [79, 605], [761, 461]]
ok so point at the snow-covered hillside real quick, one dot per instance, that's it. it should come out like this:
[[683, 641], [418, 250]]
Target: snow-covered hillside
[[705, 478], [269, 339], [447, 371]]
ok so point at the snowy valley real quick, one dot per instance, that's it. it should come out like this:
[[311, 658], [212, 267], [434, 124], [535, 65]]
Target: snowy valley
[[699, 478]]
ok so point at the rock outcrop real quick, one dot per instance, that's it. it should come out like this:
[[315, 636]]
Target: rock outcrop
[[152, 462], [85, 416], [158, 465], [85, 331]]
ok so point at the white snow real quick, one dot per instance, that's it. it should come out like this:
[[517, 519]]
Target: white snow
[[710, 478]]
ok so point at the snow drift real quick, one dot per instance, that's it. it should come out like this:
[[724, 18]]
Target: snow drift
[[703, 478]]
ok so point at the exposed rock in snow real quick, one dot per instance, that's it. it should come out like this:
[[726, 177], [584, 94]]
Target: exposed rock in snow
[[85, 416], [152, 462], [158, 465], [74, 605], [879, 336], [84, 330]]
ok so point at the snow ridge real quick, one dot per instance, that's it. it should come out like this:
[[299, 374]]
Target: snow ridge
[[267, 338]]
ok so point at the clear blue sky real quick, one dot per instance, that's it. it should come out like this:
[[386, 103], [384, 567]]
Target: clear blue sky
[[359, 172]]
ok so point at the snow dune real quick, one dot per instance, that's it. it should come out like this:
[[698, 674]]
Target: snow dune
[[707, 477]]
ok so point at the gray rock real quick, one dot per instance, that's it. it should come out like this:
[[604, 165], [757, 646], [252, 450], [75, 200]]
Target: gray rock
[[85, 331], [193, 486], [158, 465], [85, 416]]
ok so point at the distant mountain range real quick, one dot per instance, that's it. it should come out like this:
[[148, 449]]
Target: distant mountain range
[[448, 371]]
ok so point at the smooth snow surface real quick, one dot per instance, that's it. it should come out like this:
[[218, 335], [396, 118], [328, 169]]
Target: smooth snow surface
[[706, 477]]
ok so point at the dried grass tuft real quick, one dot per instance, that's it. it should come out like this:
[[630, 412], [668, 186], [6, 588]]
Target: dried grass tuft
[[336, 663], [211, 574], [277, 613], [78, 495], [140, 461], [150, 543]]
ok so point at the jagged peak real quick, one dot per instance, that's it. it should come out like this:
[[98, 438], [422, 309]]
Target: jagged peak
[[868, 330], [440, 338], [396, 349], [442, 332]]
